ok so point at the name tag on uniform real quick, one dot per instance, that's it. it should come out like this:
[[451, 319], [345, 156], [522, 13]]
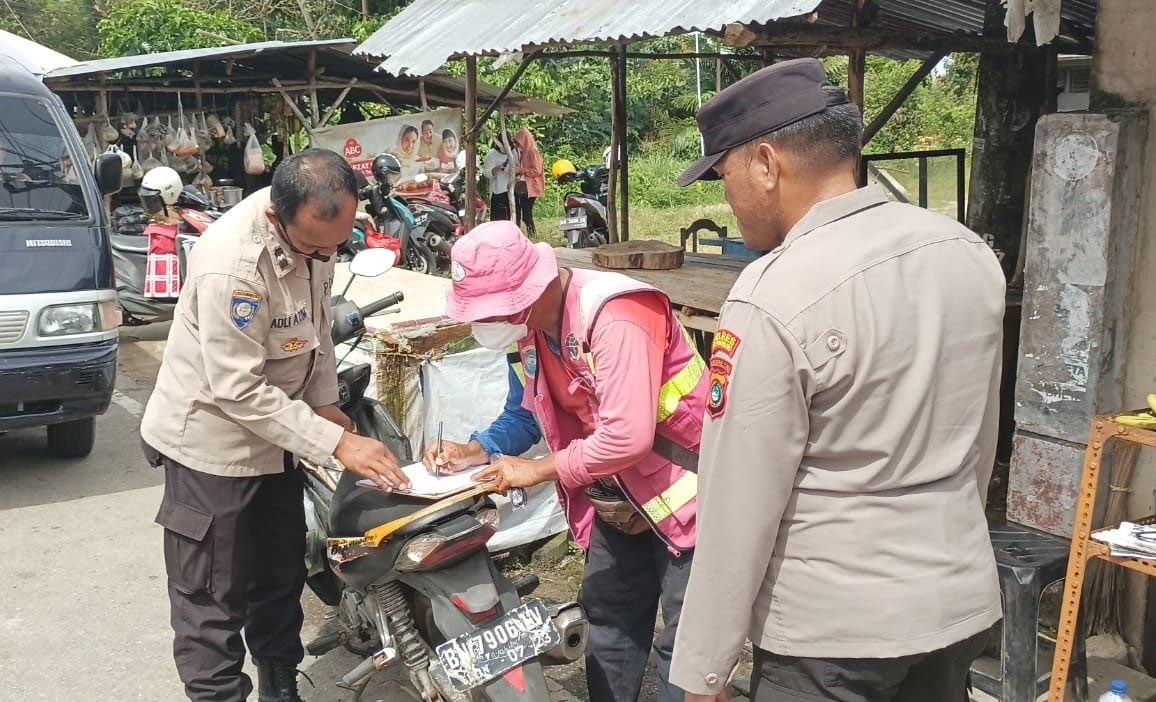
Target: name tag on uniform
[[290, 320]]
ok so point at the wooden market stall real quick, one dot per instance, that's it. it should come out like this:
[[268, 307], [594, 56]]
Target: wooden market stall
[[285, 90]]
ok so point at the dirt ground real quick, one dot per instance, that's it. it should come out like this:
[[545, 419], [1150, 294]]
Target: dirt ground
[[560, 579]]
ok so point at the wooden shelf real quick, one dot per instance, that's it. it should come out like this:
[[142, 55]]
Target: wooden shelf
[[1085, 547]]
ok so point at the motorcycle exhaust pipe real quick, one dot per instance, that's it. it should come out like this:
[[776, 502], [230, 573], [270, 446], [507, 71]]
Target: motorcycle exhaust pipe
[[436, 243], [575, 629]]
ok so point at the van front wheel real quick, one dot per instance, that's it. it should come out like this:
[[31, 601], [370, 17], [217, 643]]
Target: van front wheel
[[72, 439]]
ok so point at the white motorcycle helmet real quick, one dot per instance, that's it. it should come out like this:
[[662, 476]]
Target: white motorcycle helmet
[[159, 189]]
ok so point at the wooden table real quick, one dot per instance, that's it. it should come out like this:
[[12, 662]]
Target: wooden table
[[696, 290]]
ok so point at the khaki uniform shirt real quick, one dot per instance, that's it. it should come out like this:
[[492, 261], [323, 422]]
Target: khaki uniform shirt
[[249, 354], [849, 440]]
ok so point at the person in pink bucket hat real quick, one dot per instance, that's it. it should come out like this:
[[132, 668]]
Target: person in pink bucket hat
[[601, 369]]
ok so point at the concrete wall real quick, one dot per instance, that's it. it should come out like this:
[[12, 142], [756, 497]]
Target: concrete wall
[[1124, 75]]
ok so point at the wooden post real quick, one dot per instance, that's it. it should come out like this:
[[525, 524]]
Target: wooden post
[[612, 184], [365, 8], [305, 124], [768, 55], [624, 158], [1011, 96], [337, 103], [421, 93], [505, 90], [314, 105], [471, 144], [512, 176]]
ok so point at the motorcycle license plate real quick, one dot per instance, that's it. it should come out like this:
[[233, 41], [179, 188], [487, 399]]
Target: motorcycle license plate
[[573, 223], [479, 656]]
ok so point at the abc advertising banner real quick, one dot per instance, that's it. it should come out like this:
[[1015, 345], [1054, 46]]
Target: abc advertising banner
[[423, 142]]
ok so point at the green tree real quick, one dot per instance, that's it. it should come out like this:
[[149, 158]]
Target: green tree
[[147, 26], [67, 26]]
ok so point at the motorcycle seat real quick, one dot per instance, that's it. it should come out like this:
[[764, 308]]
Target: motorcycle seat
[[355, 510], [133, 244]]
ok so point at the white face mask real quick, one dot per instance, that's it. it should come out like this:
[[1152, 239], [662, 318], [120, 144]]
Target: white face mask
[[498, 336]]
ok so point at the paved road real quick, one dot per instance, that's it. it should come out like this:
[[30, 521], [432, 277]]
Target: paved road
[[83, 605]]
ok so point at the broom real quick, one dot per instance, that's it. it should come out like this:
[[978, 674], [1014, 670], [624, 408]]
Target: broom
[[1104, 591]]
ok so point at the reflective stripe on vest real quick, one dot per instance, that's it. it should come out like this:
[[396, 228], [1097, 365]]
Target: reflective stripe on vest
[[676, 387], [681, 383], [672, 499]]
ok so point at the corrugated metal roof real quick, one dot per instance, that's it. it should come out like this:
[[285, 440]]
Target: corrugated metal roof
[[164, 58], [427, 33]]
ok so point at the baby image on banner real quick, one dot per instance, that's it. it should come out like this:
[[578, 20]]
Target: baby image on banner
[[423, 142]]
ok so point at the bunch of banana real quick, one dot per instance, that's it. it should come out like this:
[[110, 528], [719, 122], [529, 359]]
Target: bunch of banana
[[1143, 420]]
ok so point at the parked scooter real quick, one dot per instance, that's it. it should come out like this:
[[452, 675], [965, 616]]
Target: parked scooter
[[422, 250], [428, 597], [584, 225], [161, 189]]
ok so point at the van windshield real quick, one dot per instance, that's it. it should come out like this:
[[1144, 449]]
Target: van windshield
[[39, 179]]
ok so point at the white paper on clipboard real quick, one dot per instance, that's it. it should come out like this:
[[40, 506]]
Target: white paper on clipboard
[[425, 484]]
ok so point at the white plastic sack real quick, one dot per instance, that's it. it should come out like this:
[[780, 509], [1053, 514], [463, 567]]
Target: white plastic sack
[[254, 158], [466, 392]]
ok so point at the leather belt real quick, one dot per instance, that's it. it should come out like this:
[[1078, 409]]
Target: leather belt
[[679, 455]]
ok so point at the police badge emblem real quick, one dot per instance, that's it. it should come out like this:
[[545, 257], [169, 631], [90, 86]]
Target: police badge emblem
[[244, 307]]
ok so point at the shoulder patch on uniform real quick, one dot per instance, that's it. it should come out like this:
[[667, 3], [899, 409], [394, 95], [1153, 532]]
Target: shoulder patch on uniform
[[720, 377], [530, 361], [243, 307], [725, 341]]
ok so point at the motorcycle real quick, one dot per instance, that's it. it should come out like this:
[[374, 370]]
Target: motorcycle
[[421, 249], [411, 580], [585, 225], [130, 257]]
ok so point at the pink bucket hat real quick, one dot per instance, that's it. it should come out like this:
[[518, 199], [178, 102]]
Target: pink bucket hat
[[496, 272]]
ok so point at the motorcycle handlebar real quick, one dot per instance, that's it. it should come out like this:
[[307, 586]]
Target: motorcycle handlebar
[[384, 303]]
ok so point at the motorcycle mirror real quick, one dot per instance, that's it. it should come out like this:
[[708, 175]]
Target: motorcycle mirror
[[371, 263]]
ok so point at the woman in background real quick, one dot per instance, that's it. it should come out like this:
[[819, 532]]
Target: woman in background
[[531, 177]]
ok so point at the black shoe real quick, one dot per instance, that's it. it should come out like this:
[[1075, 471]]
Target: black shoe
[[277, 682]]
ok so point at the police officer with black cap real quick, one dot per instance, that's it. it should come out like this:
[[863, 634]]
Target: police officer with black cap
[[851, 420]]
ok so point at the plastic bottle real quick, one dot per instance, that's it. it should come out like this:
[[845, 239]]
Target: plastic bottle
[[1117, 692]]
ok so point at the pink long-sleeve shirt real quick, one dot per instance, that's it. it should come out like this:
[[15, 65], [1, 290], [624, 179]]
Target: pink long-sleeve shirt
[[628, 344]]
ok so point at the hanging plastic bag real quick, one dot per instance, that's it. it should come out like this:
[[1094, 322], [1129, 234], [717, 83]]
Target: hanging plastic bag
[[254, 158], [91, 148], [108, 132], [203, 138], [229, 139], [170, 135], [137, 169], [150, 162], [216, 129]]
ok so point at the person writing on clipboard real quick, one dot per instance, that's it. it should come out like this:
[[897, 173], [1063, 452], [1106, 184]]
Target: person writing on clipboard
[[618, 393]]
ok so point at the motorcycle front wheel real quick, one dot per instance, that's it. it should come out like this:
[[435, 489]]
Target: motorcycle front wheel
[[421, 263]]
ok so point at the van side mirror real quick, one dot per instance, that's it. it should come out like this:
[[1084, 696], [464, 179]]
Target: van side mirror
[[108, 170]]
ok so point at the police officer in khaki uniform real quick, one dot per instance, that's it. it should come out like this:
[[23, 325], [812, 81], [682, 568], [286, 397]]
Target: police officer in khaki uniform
[[851, 421], [248, 383]]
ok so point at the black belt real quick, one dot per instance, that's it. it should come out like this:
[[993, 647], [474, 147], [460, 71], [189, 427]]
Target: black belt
[[679, 455]]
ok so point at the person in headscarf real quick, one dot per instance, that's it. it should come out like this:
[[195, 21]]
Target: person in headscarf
[[407, 151], [531, 177]]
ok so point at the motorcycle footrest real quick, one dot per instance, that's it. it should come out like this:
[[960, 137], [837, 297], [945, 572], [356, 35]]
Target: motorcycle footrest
[[323, 644], [527, 585]]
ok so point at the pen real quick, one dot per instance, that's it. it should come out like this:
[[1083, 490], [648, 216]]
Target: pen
[[437, 463]]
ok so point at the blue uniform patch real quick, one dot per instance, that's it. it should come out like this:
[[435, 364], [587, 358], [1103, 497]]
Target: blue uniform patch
[[530, 361], [244, 307]]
